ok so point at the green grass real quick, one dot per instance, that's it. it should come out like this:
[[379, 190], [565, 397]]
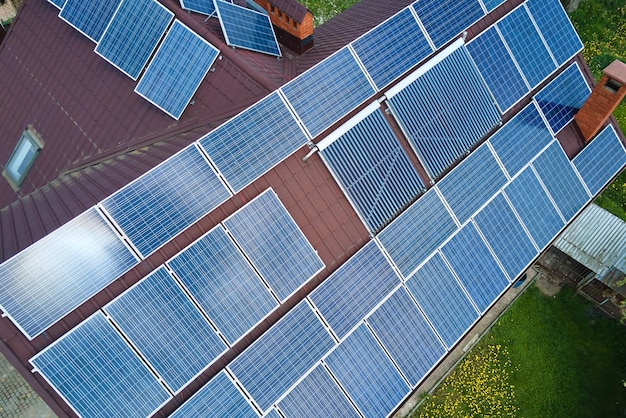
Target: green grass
[[325, 9], [557, 357]]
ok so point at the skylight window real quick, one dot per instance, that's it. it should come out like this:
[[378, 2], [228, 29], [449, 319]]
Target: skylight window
[[22, 157]]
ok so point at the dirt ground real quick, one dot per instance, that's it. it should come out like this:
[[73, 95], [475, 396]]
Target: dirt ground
[[548, 285]]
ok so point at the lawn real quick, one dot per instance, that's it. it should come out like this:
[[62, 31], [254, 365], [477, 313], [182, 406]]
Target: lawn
[[545, 357]]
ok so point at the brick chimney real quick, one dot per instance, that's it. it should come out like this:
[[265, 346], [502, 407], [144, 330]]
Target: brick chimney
[[604, 98]]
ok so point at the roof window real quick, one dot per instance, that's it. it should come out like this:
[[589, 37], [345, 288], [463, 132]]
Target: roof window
[[22, 157]]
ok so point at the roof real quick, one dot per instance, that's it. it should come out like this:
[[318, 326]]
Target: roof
[[617, 71], [292, 8], [596, 239]]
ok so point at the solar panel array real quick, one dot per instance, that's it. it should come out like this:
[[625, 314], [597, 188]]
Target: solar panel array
[[219, 278], [89, 17], [443, 124], [52, 277], [374, 170], [206, 7], [176, 70], [254, 141], [445, 19], [246, 28], [329, 91], [98, 373], [133, 34], [166, 200], [58, 3], [599, 161], [160, 320], [274, 244], [563, 97]]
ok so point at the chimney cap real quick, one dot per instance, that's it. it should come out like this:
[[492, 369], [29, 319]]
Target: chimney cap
[[616, 71]]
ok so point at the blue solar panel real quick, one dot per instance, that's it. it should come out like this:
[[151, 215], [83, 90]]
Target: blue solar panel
[[444, 19], [205, 7], [246, 28], [133, 34], [497, 68], [557, 174], [89, 17], [317, 396], [474, 265], [98, 374], [534, 207], [367, 375], [506, 236], [442, 124], [527, 47], [166, 200], [521, 139], [392, 48], [556, 29], [355, 289], [274, 243], [603, 158], [329, 91], [167, 328], [57, 3], [472, 183], [407, 336], [224, 284], [415, 234], [282, 355], [254, 141], [492, 4], [563, 97], [46, 281], [374, 170], [176, 70], [272, 414], [218, 398], [442, 299]]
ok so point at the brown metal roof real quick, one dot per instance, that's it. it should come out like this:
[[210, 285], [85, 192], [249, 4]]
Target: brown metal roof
[[291, 8]]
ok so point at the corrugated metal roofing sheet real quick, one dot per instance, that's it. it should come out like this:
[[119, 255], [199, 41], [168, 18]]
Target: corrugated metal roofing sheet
[[596, 239]]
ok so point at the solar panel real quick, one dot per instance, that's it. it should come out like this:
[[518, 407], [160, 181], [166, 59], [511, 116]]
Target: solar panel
[[89, 17], [599, 161], [556, 29], [442, 124], [442, 299], [527, 47], [98, 374], [55, 275], [474, 265], [272, 414], [247, 28], [274, 243], [223, 283], [366, 374], [329, 91], [563, 97], [444, 19], [205, 7], [497, 68], [373, 170], [317, 396], [392, 48], [521, 139], [417, 232], [559, 177], [506, 236], [538, 214], [165, 326], [57, 3], [354, 289], [254, 141], [282, 355], [219, 398], [472, 183], [133, 35], [407, 336], [167, 199], [490, 5], [176, 70]]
